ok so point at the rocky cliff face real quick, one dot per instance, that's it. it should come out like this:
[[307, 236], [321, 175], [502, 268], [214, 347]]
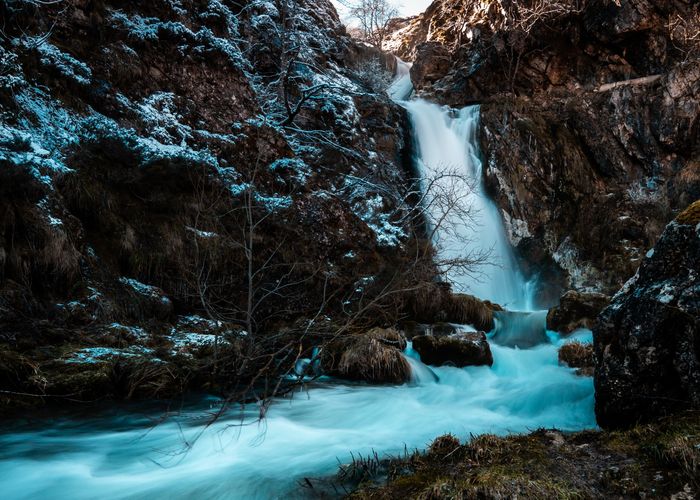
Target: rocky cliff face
[[647, 342], [589, 122], [161, 163]]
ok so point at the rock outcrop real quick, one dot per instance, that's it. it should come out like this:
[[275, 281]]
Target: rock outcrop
[[590, 116], [647, 344], [576, 310], [459, 349], [142, 144]]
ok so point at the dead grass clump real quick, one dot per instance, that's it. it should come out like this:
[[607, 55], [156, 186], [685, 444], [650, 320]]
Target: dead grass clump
[[435, 302], [576, 355], [444, 445], [372, 361], [58, 253], [373, 357], [690, 215], [466, 309], [388, 336], [426, 302]]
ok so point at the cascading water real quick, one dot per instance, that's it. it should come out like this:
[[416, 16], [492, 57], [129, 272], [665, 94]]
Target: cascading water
[[447, 149], [401, 88], [123, 455]]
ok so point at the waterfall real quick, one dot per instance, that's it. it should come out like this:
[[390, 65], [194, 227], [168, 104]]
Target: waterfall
[[451, 170], [402, 87]]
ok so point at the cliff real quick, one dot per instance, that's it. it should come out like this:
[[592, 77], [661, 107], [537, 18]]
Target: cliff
[[589, 122]]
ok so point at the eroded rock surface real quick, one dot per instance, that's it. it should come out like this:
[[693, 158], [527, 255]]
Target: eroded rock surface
[[647, 345], [590, 118], [576, 310], [135, 140]]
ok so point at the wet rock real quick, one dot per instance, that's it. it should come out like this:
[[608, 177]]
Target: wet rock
[[576, 310], [411, 329], [461, 349], [647, 352]]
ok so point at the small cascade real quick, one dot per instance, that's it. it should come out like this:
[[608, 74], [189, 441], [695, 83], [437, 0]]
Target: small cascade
[[421, 373], [402, 87], [520, 329]]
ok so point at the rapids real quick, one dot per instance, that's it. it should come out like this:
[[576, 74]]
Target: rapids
[[124, 455]]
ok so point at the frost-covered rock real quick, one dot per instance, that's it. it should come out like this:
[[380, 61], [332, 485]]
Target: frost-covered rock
[[646, 342]]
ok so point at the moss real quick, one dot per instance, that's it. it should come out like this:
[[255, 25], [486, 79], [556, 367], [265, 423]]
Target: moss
[[690, 215], [654, 460]]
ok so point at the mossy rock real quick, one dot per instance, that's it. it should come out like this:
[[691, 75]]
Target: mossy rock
[[691, 215], [374, 357]]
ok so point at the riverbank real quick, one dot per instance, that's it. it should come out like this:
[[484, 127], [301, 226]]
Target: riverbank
[[659, 460]]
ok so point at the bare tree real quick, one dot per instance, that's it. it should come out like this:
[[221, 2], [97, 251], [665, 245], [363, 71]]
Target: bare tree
[[373, 17]]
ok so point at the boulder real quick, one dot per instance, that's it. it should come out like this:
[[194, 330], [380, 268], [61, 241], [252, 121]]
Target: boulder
[[576, 310], [374, 357], [647, 342], [461, 349]]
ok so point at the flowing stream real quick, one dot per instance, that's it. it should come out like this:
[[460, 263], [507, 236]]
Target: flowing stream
[[122, 454]]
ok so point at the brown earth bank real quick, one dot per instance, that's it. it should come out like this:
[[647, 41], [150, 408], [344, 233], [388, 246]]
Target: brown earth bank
[[590, 125], [192, 195], [659, 460]]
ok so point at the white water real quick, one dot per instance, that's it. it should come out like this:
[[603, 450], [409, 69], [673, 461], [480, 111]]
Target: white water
[[125, 456], [402, 87], [447, 143]]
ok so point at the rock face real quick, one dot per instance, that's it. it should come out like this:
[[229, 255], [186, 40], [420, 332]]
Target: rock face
[[432, 63], [589, 117], [576, 310], [135, 140], [647, 344], [459, 349]]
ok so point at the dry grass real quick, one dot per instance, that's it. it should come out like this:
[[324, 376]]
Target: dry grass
[[651, 461], [576, 355], [434, 303], [388, 336], [370, 360], [59, 253], [690, 215], [465, 309]]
